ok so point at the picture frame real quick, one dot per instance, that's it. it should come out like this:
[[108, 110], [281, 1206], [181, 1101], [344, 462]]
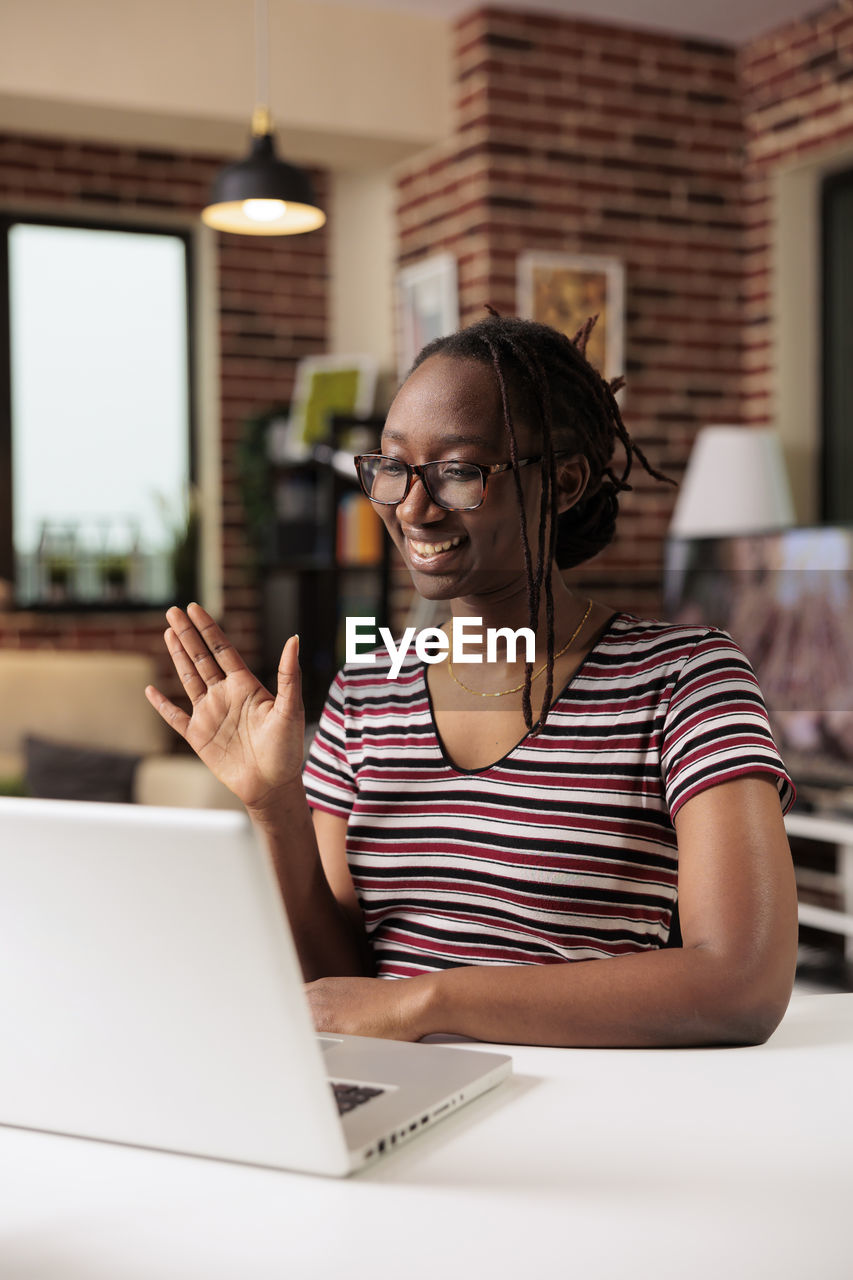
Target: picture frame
[[328, 384], [564, 289], [324, 385], [427, 305]]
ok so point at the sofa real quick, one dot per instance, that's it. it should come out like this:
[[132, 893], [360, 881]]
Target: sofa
[[77, 725]]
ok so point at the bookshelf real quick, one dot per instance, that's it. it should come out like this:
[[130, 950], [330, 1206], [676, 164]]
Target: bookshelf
[[326, 557]]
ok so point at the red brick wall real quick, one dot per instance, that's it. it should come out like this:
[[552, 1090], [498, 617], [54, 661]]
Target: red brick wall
[[577, 137], [798, 103], [272, 307]]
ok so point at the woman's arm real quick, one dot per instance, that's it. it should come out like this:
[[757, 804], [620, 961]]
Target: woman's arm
[[253, 742], [729, 984], [331, 833], [328, 934]]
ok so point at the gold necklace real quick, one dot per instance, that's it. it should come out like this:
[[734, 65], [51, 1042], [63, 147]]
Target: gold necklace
[[501, 693]]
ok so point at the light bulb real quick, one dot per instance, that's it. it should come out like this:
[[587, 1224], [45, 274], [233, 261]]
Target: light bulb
[[264, 210]]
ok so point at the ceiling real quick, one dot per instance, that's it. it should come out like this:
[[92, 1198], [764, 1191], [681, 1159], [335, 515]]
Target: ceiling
[[731, 21]]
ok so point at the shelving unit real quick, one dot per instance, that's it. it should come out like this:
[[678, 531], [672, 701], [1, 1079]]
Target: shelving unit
[[327, 557], [838, 833]]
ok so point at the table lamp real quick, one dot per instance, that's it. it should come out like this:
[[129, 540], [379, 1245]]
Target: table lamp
[[735, 482]]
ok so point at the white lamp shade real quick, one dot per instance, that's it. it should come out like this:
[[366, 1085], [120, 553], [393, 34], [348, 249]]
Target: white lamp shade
[[735, 482]]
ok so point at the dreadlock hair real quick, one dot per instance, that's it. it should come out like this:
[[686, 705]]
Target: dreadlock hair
[[545, 379]]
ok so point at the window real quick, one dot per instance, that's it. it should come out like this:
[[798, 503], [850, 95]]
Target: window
[[837, 468], [96, 415]]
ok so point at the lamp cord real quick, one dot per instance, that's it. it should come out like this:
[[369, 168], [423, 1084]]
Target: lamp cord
[[262, 54]]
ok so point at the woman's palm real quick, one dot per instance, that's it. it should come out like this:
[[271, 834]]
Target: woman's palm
[[250, 740]]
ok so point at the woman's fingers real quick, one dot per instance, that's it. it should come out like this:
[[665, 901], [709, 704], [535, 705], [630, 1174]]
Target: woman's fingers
[[174, 716], [289, 687], [188, 672], [201, 654], [216, 640], [197, 652]]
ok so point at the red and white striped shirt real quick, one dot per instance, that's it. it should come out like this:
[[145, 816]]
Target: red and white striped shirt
[[562, 850]]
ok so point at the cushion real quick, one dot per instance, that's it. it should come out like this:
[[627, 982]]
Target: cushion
[[93, 698], [63, 771]]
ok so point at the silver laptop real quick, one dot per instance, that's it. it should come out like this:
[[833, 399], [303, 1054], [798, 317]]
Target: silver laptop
[[150, 994]]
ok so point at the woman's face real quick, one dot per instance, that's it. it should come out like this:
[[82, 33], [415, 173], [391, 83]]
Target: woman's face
[[450, 408]]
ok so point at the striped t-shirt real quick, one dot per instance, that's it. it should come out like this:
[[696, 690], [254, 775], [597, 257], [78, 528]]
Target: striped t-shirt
[[562, 850]]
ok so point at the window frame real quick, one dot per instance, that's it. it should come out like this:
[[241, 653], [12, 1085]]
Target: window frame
[[86, 222]]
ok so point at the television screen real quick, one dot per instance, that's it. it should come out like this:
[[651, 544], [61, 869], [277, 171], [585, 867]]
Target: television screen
[[787, 599]]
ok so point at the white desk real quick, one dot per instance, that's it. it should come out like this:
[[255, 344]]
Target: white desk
[[594, 1164]]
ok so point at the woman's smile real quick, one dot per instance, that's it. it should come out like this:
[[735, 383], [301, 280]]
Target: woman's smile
[[430, 553]]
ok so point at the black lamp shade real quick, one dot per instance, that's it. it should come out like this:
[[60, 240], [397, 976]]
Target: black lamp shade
[[262, 176]]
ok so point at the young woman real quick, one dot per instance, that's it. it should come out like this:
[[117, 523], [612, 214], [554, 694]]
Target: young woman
[[507, 839]]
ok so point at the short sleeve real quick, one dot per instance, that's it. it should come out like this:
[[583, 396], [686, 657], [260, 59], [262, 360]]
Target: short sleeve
[[716, 726], [328, 776]]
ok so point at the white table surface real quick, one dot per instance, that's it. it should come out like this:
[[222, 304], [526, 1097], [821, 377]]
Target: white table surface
[[649, 1164]]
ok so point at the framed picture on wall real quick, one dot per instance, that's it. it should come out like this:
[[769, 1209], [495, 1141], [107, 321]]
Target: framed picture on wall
[[564, 289], [427, 305], [324, 386]]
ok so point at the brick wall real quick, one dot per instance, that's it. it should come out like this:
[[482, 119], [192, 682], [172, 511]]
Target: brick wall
[[576, 137], [569, 136], [798, 103], [272, 308]]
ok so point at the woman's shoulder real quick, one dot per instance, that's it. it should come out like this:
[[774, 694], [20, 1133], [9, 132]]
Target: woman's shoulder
[[632, 639], [630, 628]]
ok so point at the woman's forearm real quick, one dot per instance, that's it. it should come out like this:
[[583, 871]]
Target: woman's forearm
[[326, 938], [687, 996]]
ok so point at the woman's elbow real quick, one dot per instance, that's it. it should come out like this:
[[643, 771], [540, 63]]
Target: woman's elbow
[[750, 1011], [743, 999], [756, 1023]]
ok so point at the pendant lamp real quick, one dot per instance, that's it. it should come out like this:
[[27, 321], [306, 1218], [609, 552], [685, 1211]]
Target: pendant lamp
[[262, 195]]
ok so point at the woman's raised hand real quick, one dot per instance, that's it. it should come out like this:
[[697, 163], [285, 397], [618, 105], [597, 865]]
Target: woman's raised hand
[[251, 741]]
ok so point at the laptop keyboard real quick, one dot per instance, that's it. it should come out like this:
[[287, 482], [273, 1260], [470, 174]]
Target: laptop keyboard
[[350, 1096]]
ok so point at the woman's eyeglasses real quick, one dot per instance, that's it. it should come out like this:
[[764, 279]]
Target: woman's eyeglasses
[[453, 485]]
